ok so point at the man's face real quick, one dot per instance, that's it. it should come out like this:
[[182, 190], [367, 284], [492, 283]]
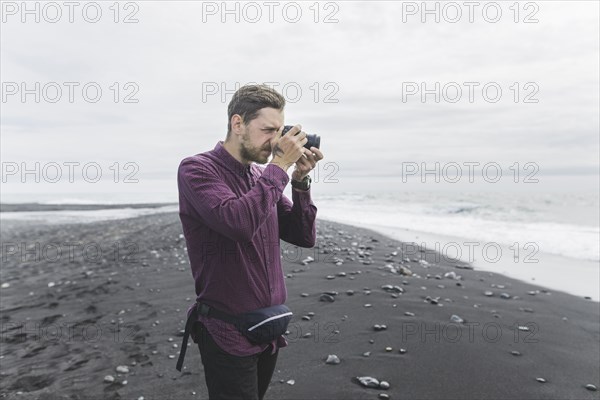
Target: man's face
[[255, 142]]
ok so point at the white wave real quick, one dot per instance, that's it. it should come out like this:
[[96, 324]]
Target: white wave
[[476, 222], [84, 216]]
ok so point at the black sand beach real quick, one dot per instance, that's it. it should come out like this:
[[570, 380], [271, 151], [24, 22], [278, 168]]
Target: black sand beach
[[69, 320]]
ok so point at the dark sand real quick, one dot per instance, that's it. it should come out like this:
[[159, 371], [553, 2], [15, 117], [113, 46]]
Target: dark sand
[[129, 310]]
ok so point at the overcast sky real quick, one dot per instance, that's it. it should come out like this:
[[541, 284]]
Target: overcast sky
[[360, 77]]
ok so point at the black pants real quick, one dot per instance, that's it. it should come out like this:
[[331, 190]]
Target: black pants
[[234, 377]]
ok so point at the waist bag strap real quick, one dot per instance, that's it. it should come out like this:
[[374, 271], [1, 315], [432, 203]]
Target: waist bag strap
[[202, 309]]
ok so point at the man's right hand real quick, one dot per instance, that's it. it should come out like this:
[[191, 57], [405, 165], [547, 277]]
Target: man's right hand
[[288, 149]]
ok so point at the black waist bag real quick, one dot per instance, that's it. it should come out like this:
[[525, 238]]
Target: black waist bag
[[265, 324], [259, 326]]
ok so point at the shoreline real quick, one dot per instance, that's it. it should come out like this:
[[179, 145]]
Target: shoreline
[[34, 207], [521, 264]]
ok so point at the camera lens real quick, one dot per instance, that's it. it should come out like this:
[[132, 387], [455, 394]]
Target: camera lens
[[312, 139]]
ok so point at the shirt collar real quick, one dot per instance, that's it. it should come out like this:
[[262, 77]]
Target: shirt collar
[[229, 161]]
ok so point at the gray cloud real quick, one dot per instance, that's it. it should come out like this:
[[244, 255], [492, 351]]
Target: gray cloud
[[368, 56]]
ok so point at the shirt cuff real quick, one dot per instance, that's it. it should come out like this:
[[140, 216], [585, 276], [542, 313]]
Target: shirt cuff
[[303, 197], [277, 176]]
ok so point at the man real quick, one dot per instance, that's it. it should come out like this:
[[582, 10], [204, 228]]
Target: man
[[233, 213]]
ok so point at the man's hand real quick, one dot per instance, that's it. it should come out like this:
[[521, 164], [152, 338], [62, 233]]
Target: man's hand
[[289, 148], [306, 163]]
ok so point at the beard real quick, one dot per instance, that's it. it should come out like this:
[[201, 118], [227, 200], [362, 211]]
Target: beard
[[252, 153]]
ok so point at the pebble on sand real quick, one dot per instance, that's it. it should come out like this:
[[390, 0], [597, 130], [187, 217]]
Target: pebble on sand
[[332, 359], [368, 381], [307, 260], [450, 275], [395, 288], [457, 319], [122, 369], [524, 328], [109, 379], [327, 298], [591, 387]]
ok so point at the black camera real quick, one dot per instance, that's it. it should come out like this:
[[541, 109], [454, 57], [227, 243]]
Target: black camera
[[313, 140]]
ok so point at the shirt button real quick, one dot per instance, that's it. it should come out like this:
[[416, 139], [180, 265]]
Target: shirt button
[[272, 290], [264, 236]]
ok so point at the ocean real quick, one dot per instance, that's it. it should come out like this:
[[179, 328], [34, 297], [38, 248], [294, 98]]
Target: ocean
[[547, 233]]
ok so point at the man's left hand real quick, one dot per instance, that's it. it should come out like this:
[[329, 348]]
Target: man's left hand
[[306, 163]]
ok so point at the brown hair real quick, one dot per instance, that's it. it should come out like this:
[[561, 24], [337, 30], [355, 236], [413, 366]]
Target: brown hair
[[249, 99]]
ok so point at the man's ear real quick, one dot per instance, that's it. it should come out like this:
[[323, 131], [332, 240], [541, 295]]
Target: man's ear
[[236, 123]]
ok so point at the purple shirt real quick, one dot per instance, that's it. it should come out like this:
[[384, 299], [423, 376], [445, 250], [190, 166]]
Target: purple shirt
[[233, 216]]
